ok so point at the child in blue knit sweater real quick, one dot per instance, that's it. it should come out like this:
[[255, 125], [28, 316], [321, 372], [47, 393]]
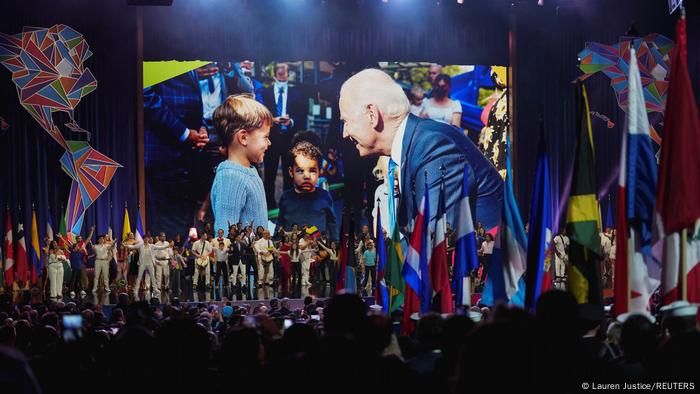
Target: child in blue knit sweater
[[238, 194]]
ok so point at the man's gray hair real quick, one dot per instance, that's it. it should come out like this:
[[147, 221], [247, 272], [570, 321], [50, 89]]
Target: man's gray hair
[[373, 86]]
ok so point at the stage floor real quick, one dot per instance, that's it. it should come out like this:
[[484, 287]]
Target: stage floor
[[219, 293]]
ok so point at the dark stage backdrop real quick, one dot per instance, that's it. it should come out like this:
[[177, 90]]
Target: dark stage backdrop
[[548, 40], [29, 167], [367, 30]]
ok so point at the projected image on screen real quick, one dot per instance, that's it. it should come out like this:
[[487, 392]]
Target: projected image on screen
[[182, 149]]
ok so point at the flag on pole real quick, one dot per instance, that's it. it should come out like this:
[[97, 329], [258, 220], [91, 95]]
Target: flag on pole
[[583, 214], [21, 255], [438, 268], [678, 192], [139, 228], [382, 291], [126, 227], [609, 220], [415, 269], [505, 281], [9, 268], [342, 257], [540, 235], [110, 231], [49, 226], [62, 229], [466, 259], [37, 265], [62, 224], [350, 260], [637, 272], [394, 280]]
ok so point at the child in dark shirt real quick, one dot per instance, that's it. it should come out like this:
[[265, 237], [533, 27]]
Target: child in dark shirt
[[306, 203]]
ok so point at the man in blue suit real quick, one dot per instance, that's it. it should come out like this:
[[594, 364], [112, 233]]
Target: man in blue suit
[[287, 106], [375, 113]]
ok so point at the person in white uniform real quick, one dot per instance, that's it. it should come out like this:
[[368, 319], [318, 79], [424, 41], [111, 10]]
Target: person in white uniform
[[308, 249], [103, 255], [55, 268], [147, 260]]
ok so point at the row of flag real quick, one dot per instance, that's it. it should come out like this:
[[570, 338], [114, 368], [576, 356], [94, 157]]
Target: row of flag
[[418, 281], [654, 209], [658, 206], [26, 265], [27, 268]]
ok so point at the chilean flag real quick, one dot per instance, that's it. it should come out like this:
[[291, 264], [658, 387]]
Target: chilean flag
[[678, 192], [415, 269], [21, 253], [637, 271], [466, 259], [439, 275], [9, 252]]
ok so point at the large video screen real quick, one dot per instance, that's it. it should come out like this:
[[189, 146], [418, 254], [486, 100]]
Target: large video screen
[[182, 149]]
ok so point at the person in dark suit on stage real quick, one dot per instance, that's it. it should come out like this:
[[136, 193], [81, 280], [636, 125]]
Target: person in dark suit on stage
[[286, 104], [376, 117]]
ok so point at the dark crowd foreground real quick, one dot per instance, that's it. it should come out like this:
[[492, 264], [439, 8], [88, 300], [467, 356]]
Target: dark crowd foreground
[[341, 346]]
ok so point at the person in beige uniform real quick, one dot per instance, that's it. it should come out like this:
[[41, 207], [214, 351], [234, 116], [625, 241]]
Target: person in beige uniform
[[103, 254], [163, 254], [202, 249], [265, 250]]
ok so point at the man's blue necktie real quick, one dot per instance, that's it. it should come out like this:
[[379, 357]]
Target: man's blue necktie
[[390, 193], [210, 82], [280, 104]]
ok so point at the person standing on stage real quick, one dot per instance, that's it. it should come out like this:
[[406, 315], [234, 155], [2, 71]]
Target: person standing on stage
[[561, 259], [163, 255], [222, 254], [55, 269], [265, 251], [236, 262], [177, 264], [147, 261], [103, 255], [308, 249], [202, 249]]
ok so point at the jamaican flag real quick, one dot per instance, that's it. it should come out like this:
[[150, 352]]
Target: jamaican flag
[[583, 214]]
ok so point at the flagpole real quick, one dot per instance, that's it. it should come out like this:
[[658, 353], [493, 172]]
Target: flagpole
[[684, 234], [378, 234], [684, 278]]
